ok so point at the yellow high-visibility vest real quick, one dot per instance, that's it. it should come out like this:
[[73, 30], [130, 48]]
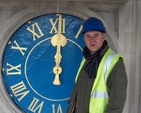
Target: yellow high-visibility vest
[[99, 93]]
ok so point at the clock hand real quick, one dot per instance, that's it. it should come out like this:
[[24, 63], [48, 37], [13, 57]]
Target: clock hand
[[58, 40]]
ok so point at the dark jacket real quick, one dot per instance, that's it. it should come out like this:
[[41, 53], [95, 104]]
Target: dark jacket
[[117, 84]]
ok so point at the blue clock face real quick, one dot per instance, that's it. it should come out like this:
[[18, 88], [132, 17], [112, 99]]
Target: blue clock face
[[40, 62]]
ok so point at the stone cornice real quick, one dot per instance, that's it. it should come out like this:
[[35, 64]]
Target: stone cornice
[[100, 4]]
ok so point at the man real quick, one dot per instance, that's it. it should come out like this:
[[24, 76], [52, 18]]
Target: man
[[101, 80]]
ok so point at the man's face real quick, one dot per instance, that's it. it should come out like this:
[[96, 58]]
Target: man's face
[[94, 40]]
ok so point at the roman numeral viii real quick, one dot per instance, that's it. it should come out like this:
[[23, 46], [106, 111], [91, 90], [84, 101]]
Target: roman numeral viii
[[19, 90]]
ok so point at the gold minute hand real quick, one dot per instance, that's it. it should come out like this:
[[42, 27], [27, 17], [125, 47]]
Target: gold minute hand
[[58, 40]]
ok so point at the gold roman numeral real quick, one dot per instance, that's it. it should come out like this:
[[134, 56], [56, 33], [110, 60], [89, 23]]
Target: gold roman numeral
[[13, 70], [59, 109], [54, 25], [36, 106], [21, 49], [78, 33], [19, 90], [37, 33]]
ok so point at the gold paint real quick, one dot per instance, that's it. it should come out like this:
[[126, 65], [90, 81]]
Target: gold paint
[[58, 40], [35, 105], [29, 22], [32, 30], [19, 90], [3, 69], [53, 26], [59, 109], [79, 31], [9, 42], [11, 95], [13, 70], [21, 49]]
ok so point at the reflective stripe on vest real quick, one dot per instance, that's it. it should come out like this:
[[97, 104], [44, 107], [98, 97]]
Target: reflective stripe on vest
[[96, 94], [107, 64]]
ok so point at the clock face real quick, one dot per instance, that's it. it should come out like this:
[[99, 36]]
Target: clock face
[[40, 62]]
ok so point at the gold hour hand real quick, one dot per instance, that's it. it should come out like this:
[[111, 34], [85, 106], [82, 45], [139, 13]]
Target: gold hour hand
[[59, 41], [57, 70]]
